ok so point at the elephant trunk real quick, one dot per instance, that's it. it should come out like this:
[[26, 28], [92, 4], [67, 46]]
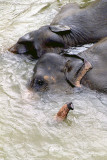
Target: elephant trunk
[[63, 112], [13, 49]]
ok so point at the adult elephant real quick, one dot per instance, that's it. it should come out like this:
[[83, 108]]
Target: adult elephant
[[72, 26], [88, 68]]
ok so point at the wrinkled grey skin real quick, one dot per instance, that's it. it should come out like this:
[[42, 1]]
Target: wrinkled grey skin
[[96, 78], [53, 69], [72, 26]]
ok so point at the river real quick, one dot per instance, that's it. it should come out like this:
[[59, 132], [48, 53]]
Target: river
[[27, 128]]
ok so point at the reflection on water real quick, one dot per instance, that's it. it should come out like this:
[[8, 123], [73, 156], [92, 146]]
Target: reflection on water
[[27, 129]]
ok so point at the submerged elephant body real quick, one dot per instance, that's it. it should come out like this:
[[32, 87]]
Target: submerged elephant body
[[72, 26], [96, 78], [73, 69]]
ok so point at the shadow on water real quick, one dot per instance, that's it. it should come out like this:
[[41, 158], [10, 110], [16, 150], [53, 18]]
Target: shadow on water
[[27, 128]]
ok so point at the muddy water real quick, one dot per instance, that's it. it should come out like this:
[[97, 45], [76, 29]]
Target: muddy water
[[27, 129]]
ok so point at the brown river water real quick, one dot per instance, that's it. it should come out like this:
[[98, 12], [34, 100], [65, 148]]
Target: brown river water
[[27, 128]]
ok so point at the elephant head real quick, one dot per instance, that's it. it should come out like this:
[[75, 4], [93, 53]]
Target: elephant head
[[56, 70], [44, 40]]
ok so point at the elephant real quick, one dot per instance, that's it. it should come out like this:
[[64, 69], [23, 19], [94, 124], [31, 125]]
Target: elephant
[[88, 68], [72, 26]]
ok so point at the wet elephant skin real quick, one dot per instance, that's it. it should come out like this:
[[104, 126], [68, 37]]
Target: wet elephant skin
[[72, 26], [55, 69], [96, 78]]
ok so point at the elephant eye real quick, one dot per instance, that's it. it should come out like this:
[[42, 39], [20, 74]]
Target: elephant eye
[[40, 85], [40, 82]]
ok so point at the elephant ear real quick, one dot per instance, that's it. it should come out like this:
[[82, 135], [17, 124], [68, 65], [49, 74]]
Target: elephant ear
[[59, 28], [75, 69]]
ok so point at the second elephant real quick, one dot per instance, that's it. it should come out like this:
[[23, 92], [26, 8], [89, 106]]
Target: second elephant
[[72, 26]]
